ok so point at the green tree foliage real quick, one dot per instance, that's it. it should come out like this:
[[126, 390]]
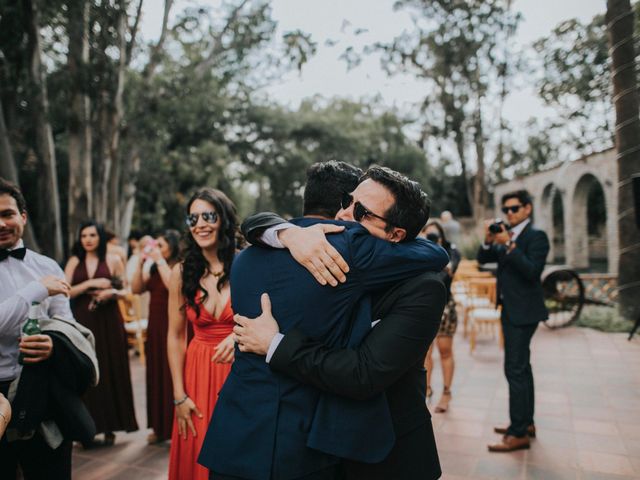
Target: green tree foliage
[[460, 49], [259, 153], [575, 80]]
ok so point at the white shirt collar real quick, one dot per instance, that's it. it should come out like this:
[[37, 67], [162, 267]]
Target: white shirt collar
[[517, 230], [20, 244]]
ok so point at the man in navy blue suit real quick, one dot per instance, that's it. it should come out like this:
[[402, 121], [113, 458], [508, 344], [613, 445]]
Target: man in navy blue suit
[[266, 425], [521, 252]]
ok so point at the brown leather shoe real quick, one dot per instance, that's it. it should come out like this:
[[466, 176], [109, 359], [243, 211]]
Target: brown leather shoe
[[531, 430], [510, 443]]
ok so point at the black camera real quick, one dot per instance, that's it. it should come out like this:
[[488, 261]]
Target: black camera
[[496, 226]]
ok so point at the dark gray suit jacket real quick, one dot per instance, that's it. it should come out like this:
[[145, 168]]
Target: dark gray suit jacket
[[519, 288]]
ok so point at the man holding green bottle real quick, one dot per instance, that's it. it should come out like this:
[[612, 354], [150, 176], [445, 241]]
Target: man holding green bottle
[[26, 277]]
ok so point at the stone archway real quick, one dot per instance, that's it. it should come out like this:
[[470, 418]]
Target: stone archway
[[588, 224], [551, 219], [590, 180]]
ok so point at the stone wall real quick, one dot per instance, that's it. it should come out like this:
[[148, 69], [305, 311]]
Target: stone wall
[[572, 181]]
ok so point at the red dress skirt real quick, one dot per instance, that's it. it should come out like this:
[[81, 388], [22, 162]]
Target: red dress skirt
[[203, 379]]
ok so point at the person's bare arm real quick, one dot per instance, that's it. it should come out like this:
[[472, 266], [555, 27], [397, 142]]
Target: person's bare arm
[[5, 414], [177, 350], [138, 282], [164, 270], [116, 269], [82, 287]]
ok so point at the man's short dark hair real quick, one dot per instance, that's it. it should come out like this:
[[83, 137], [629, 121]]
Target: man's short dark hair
[[412, 206], [522, 195], [8, 188], [326, 182]]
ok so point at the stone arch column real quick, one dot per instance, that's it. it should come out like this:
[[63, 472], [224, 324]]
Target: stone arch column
[[545, 218], [578, 219], [611, 207], [573, 256]]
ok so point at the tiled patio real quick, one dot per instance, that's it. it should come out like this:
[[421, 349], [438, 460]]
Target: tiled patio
[[587, 415]]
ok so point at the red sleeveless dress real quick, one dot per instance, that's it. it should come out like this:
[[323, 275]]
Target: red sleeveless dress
[[203, 379]]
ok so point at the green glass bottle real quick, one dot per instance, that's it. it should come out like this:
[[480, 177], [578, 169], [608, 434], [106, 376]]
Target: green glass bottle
[[32, 327]]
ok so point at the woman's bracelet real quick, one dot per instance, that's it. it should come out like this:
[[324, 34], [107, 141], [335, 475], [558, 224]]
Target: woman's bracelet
[[181, 401]]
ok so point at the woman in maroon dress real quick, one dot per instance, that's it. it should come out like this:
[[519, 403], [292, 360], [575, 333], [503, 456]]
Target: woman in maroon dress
[[163, 254], [93, 274]]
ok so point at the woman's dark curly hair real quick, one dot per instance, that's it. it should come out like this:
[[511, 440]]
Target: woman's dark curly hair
[[194, 265], [79, 251]]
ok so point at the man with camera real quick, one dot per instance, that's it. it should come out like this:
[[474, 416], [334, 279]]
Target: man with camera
[[520, 251]]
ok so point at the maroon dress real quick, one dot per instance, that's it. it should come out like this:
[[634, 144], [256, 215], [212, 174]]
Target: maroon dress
[[159, 386], [111, 401]]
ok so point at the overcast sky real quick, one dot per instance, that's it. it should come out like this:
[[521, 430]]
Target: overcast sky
[[337, 21]]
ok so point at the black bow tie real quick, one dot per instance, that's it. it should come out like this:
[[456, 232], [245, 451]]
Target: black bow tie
[[18, 253]]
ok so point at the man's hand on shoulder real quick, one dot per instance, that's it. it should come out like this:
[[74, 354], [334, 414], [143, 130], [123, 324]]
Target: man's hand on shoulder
[[254, 335], [36, 348], [55, 285], [310, 248]]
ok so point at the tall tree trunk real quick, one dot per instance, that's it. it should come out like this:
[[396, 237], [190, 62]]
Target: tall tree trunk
[[102, 171], [49, 199], [80, 206], [128, 193], [479, 187], [460, 144], [620, 23], [8, 171], [130, 162], [116, 114]]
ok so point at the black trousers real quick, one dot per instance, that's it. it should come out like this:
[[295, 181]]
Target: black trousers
[[517, 369], [37, 460], [414, 457]]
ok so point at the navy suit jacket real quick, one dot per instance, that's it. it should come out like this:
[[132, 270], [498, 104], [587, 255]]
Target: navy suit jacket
[[267, 425], [519, 288]]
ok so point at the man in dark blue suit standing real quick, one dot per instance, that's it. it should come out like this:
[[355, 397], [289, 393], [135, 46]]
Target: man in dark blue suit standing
[[267, 425], [521, 252]]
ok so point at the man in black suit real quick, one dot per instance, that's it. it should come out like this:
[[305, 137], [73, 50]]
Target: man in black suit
[[521, 252], [389, 359], [294, 430]]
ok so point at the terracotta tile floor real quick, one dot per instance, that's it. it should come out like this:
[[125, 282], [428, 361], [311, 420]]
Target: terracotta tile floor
[[587, 415]]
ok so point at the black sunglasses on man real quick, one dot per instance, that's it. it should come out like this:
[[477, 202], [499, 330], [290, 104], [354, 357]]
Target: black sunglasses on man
[[359, 210]]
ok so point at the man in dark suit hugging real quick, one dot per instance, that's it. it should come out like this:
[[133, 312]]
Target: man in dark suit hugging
[[268, 425], [521, 252]]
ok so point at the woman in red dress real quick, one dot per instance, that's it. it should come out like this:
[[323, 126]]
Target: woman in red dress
[[199, 293], [164, 254], [95, 276]]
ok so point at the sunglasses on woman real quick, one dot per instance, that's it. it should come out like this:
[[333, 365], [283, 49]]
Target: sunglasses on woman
[[192, 219], [359, 210]]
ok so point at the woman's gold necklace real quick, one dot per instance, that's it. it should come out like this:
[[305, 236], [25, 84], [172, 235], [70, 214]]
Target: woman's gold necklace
[[218, 274]]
